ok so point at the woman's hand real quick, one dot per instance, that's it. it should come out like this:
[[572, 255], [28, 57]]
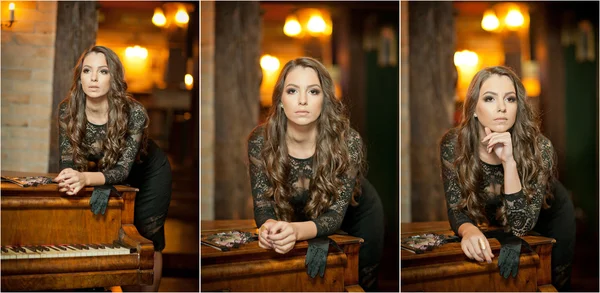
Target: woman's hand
[[283, 236], [70, 181], [263, 232], [500, 143], [475, 245]]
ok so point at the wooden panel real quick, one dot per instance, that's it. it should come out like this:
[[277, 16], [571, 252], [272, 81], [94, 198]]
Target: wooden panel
[[446, 268], [76, 280], [251, 268]]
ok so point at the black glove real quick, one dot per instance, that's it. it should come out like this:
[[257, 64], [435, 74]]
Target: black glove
[[316, 256], [99, 198], [510, 250]]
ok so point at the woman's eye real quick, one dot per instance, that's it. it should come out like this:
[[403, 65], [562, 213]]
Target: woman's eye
[[511, 99], [315, 92], [86, 70], [488, 99], [104, 71], [291, 91]]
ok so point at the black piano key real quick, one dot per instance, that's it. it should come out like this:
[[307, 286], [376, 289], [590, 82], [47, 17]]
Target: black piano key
[[92, 246], [53, 248], [118, 245], [100, 246], [14, 249], [21, 249], [32, 248], [44, 248], [108, 245], [85, 247], [4, 249], [61, 247]]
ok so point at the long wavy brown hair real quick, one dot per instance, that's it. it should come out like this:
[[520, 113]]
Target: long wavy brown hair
[[331, 159], [120, 104], [526, 137]]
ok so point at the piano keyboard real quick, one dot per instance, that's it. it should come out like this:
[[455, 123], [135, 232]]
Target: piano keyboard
[[63, 250]]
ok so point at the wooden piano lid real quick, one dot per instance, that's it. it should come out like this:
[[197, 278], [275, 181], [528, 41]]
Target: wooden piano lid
[[9, 188], [443, 227], [249, 225]]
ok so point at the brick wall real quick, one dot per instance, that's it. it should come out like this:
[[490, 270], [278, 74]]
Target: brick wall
[[207, 109], [404, 117], [27, 62]]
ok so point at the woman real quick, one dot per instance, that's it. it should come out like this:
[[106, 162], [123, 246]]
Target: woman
[[306, 167], [498, 169], [103, 140]]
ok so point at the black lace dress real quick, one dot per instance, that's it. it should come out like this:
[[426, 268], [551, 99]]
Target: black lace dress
[[557, 222], [365, 220], [151, 174]]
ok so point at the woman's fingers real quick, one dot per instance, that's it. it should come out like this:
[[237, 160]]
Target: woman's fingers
[[475, 249]]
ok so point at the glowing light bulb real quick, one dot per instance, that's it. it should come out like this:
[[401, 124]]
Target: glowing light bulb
[[269, 63], [182, 17], [490, 22], [159, 18], [189, 81], [466, 58], [316, 24], [292, 27], [514, 19]]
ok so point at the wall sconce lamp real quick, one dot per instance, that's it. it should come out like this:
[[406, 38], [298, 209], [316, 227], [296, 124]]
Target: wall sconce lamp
[[269, 63], [312, 21], [173, 13], [11, 20], [136, 52], [514, 17]]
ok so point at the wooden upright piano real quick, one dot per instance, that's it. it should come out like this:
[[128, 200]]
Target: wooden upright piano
[[251, 268], [446, 268], [52, 241]]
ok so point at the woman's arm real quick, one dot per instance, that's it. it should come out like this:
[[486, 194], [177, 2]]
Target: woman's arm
[[522, 216], [259, 183], [450, 180], [461, 223], [120, 171]]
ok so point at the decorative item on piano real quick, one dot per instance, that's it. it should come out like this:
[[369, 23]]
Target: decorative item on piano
[[231, 239], [27, 181], [425, 242]]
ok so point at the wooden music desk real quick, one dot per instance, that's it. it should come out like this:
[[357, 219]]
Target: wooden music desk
[[446, 268], [251, 268]]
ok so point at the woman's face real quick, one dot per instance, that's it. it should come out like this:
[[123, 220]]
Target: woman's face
[[95, 76], [497, 103], [302, 97]]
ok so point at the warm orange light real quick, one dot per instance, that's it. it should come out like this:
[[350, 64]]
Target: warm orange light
[[182, 17], [466, 58], [292, 27], [316, 24], [159, 19], [490, 22], [514, 19], [269, 63], [532, 86], [189, 81], [136, 52]]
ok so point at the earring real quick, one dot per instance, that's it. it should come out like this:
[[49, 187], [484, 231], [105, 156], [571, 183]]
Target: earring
[[281, 105], [475, 115]]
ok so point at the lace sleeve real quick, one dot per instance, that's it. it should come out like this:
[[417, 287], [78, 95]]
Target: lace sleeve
[[522, 216], [331, 220], [120, 171], [263, 206], [64, 147], [450, 180]]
